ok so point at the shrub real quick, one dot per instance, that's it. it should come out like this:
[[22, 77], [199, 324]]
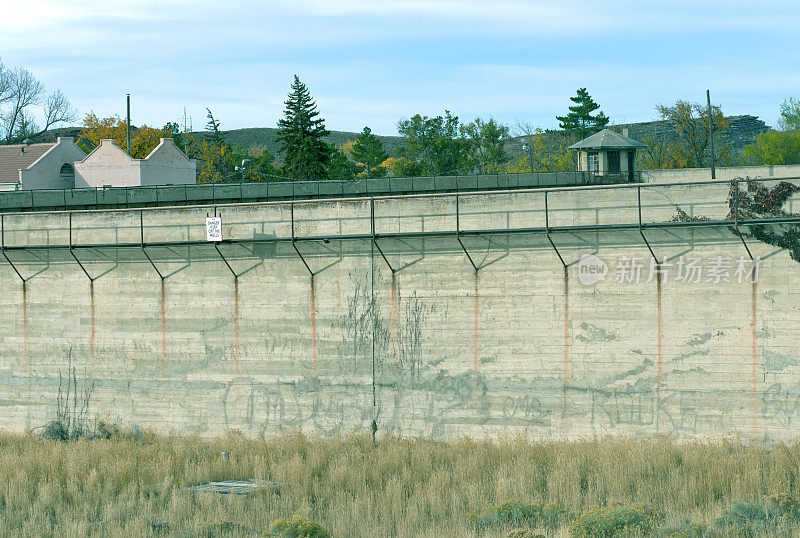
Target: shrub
[[224, 529], [523, 533], [616, 521], [514, 513], [297, 527], [764, 515], [681, 529]]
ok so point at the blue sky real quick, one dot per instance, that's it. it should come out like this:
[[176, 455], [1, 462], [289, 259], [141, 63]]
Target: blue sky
[[373, 63]]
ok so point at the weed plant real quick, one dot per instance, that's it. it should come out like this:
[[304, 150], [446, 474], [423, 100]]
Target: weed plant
[[139, 485]]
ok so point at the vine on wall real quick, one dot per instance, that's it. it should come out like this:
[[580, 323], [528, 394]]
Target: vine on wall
[[759, 202]]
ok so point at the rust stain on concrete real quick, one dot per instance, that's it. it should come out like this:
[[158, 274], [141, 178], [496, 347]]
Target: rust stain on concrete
[[567, 352], [163, 328], [660, 330], [476, 307], [394, 314], [754, 353], [91, 316], [313, 315], [25, 322], [659, 347], [236, 332]]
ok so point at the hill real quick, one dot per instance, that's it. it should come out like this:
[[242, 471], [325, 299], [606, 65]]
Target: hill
[[264, 138]]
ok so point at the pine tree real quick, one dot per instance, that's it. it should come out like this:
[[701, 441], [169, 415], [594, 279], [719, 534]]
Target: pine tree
[[300, 133], [212, 128], [215, 162], [580, 122], [368, 150]]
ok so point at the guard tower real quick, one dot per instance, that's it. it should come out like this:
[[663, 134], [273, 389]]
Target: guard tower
[[608, 153]]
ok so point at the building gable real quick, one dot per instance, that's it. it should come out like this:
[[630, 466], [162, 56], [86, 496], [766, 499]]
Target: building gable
[[167, 152]]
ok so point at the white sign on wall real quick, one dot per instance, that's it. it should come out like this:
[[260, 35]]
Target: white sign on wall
[[213, 228]]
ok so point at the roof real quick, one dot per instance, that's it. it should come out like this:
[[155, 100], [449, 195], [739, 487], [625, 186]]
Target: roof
[[16, 157], [607, 139]]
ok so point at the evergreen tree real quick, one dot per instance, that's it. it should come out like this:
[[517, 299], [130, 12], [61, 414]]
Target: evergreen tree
[[368, 150], [340, 167], [213, 135], [215, 158], [580, 122], [300, 133]]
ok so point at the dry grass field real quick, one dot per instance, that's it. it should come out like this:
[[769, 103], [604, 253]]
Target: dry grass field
[[139, 486]]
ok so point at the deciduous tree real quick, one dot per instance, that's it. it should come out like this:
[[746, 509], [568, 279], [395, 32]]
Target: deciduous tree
[[433, 145], [144, 139], [22, 99], [692, 128], [486, 147], [301, 134], [775, 147], [790, 115], [540, 154], [215, 163]]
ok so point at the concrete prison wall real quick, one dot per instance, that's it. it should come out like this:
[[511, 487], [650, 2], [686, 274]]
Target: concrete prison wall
[[723, 173], [428, 348]]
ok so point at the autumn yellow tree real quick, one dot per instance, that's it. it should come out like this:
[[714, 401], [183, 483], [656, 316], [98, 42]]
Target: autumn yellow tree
[[693, 132], [144, 139], [541, 156], [215, 163]]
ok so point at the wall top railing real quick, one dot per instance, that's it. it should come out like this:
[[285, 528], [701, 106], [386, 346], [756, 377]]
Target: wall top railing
[[218, 193], [607, 207], [630, 210]]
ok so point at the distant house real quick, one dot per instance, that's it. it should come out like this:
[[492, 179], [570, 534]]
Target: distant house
[[39, 166], [109, 166], [63, 165]]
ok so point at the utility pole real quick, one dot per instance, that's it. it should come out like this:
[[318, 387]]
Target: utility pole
[[128, 124], [526, 146], [711, 134]]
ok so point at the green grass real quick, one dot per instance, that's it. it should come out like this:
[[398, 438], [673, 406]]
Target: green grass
[[139, 486]]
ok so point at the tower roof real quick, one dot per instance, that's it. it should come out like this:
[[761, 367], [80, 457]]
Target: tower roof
[[607, 139]]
